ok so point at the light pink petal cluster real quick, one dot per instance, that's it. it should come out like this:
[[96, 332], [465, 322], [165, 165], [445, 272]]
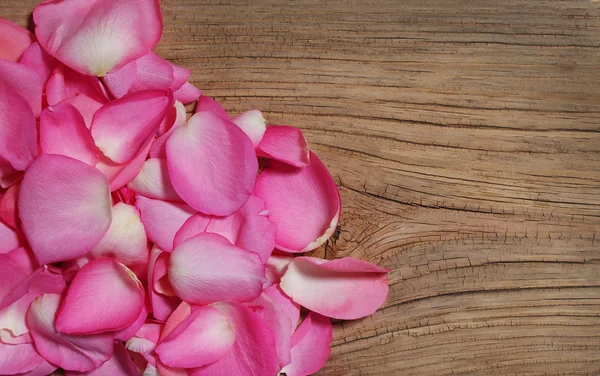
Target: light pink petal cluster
[[135, 240]]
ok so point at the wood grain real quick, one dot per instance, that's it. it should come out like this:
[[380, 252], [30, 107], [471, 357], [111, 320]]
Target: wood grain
[[465, 138]]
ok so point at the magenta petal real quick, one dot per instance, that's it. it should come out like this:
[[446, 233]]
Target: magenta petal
[[8, 239], [345, 289], [287, 305], [253, 352], [86, 106], [310, 346], [63, 131], [153, 181], [159, 146], [141, 112], [202, 338], [212, 164], [14, 40], [127, 333], [279, 323], [194, 225], [125, 239], [148, 72], [94, 37], [253, 124], [64, 206], [18, 79], [43, 369], [18, 133], [162, 306], [180, 77], [9, 213], [18, 358], [120, 364], [187, 93], [38, 60], [95, 299], [285, 144], [303, 202], [162, 220], [66, 83], [207, 268], [207, 104], [76, 353]]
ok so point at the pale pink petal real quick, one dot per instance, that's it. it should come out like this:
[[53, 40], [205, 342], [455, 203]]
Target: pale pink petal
[[8, 211], [207, 268], [285, 144], [310, 346], [148, 72], [345, 289], [248, 228], [162, 306], [275, 268], [153, 181], [38, 60], [145, 340], [95, 37], [119, 175], [253, 124], [160, 280], [14, 40], [95, 299], [86, 106], [18, 79], [187, 93], [66, 83], [194, 225], [75, 353], [63, 132], [279, 323], [206, 103], [124, 127], [44, 369], [9, 239], [253, 352], [19, 358], [120, 364], [202, 338], [18, 133], [287, 305], [127, 333], [212, 164], [162, 220], [303, 202], [125, 239], [159, 146], [64, 206]]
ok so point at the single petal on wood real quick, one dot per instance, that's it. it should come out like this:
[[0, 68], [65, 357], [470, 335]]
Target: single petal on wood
[[285, 144]]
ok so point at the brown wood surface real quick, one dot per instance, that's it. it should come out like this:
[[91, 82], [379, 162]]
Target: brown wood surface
[[465, 138]]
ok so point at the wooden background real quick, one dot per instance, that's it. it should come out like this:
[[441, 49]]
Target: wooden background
[[465, 138]]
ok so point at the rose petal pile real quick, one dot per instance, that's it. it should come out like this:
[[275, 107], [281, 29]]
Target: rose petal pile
[[134, 240]]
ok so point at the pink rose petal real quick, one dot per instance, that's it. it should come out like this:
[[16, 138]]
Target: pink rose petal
[[18, 133], [202, 338], [120, 364], [253, 352], [345, 289], [127, 333], [119, 174], [253, 124], [187, 93], [141, 112], [162, 220], [159, 146], [153, 181], [18, 79], [207, 268], [64, 206], [18, 358], [208, 104], [285, 144], [275, 268], [148, 72], [38, 60], [66, 83], [212, 164], [287, 305], [162, 306], [9, 239], [75, 353], [303, 202], [95, 300], [125, 239], [95, 37], [86, 106], [63, 132], [9, 215], [310, 346], [14, 40]]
